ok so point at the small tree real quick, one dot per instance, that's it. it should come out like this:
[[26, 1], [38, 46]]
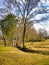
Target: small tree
[[8, 26]]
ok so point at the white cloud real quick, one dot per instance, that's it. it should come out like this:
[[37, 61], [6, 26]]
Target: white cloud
[[38, 26], [45, 25]]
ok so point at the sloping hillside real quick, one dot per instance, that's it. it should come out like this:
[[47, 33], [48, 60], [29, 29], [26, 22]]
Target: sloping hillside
[[13, 56]]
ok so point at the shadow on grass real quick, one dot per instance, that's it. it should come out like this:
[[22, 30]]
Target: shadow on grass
[[35, 51]]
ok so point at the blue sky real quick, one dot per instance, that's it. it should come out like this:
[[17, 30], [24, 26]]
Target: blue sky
[[44, 23]]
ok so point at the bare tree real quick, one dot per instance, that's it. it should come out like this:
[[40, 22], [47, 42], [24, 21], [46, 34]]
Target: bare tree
[[25, 11], [42, 33]]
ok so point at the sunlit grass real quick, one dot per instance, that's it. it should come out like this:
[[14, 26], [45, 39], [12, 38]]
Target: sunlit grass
[[13, 56], [22, 58]]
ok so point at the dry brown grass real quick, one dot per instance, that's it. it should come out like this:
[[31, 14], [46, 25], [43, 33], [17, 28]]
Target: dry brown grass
[[13, 56]]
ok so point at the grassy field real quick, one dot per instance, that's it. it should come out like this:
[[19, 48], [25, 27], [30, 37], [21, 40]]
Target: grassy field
[[39, 54]]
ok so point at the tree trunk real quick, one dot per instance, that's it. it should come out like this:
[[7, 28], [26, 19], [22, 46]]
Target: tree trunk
[[40, 36], [24, 35], [11, 40], [4, 41]]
